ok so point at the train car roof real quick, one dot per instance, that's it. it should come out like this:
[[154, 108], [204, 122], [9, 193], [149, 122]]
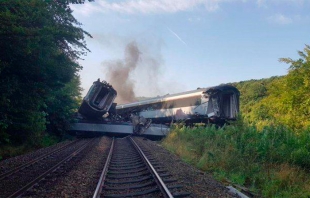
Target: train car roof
[[175, 96]]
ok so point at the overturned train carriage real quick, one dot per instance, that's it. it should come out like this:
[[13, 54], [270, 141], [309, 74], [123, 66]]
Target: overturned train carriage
[[98, 100], [97, 115], [215, 104]]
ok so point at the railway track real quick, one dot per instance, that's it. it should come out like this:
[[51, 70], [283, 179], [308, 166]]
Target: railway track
[[128, 172], [18, 180], [29, 163]]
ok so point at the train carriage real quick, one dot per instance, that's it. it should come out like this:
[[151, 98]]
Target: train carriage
[[208, 105], [214, 104], [98, 100]]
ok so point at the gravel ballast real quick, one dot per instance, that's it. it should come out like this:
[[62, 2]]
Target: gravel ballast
[[194, 181], [13, 162], [81, 179]]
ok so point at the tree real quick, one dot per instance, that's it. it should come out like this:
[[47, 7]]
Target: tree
[[41, 42], [295, 95], [288, 98]]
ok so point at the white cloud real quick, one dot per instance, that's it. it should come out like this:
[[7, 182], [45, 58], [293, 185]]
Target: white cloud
[[85, 9], [147, 6], [265, 3], [280, 19]]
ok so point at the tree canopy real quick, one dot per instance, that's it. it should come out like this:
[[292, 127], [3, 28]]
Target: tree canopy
[[41, 42], [281, 100]]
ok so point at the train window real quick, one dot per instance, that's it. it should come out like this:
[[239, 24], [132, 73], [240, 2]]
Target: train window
[[90, 92], [182, 102], [106, 98], [109, 101], [101, 96], [190, 101]]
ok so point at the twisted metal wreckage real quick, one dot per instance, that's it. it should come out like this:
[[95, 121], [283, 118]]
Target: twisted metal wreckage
[[99, 114]]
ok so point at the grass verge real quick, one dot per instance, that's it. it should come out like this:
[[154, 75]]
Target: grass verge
[[272, 162]]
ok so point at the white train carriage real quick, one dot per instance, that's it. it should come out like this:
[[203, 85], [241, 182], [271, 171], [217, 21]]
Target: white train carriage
[[214, 104]]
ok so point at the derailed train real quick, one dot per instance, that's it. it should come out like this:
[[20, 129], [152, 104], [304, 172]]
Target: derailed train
[[208, 105], [98, 101]]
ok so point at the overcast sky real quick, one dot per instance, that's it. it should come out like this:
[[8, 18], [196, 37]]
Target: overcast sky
[[185, 44]]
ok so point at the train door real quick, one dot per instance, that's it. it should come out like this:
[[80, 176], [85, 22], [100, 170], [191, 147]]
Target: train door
[[213, 106], [229, 105]]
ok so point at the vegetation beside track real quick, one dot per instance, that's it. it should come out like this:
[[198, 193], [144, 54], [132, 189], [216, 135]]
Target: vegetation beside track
[[39, 80], [12, 150], [281, 100], [268, 148], [272, 162]]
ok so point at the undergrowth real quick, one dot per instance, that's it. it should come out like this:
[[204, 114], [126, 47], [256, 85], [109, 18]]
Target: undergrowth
[[272, 162], [11, 150]]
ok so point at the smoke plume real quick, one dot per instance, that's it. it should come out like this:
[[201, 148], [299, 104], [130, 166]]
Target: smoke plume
[[140, 72], [118, 74]]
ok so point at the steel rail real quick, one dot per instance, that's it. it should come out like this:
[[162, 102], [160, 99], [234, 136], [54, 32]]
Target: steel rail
[[160, 182], [34, 181], [104, 173], [16, 169]]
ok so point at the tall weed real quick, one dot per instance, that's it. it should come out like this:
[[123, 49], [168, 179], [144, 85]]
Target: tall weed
[[272, 160]]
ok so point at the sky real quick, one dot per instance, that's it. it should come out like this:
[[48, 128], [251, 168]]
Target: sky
[[186, 44]]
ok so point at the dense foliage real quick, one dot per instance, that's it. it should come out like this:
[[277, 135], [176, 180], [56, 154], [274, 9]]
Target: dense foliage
[[279, 100], [252, 92], [40, 44]]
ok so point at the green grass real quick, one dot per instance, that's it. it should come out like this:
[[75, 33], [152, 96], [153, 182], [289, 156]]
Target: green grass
[[272, 162]]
